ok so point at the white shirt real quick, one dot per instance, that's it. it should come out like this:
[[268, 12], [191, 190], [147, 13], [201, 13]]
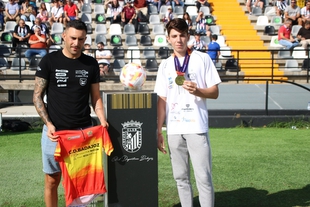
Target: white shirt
[[186, 113]]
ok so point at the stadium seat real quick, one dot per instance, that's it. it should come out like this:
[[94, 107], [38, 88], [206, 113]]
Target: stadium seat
[[5, 51], [164, 52], [57, 39], [163, 9], [218, 65], [129, 29], [210, 20], [101, 38], [89, 28], [270, 11], [4, 63], [306, 64], [270, 30], [190, 2], [6, 37], [152, 9], [299, 53], [86, 18], [295, 30], [116, 40], [292, 66], [160, 40], [131, 40], [145, 40], [34, 62], [88, 40], [18, 63], [98, 2], [100, 29], [231, 65], [158, 29], [57, 28], [133, 53], [100, 19], [274, 42], [221, 40], [206, 39], [143, 29], [215, 29], [276, 20], [151, 64], [205, 10], [9, 26], [154, 19], [178, 10], [262, 21], [115, 29], [284, 54], [118, 64], [257, 11], [29, 23], [54, 48], [21, 49], [149, 52], [86, 8], [192, 10], [118, 52], [225, 52], [98, 8]]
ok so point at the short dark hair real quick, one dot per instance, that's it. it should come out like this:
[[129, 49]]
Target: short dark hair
[[178, 24], [214, 37], [77, 24], [100, 43]]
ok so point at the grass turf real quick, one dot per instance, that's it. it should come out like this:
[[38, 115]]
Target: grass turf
[[252, 167]]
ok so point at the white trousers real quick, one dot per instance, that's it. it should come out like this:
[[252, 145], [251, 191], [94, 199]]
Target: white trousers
[[194, 147]]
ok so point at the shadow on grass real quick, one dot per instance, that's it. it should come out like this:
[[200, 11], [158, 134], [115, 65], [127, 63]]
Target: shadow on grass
[[245, 197]]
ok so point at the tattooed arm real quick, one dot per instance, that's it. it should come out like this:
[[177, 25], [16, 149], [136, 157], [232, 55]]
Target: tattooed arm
[[39, 89]]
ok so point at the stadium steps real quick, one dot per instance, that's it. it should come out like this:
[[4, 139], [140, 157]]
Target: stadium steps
[[240, 34]]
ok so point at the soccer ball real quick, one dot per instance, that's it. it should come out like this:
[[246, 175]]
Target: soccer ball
[[133, 76]]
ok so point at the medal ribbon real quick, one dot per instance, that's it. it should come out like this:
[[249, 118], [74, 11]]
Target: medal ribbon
[[182, 69]]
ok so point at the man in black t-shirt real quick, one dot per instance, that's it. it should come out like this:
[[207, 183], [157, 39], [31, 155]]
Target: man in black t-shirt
[[67, 77], [304, 35]]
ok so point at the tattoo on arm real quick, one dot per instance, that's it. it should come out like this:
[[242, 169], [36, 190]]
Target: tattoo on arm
[[39, 89]]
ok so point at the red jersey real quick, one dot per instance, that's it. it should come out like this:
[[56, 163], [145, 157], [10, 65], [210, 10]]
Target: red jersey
[[39, 44], [79, 153], [71, 10], [286, 32]]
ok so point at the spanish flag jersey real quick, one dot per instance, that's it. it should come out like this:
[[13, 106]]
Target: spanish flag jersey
[[79, 153]]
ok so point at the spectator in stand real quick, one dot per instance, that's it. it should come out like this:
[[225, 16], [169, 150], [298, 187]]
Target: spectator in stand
[[11, 11], [200, 3], [140, 5], [189, 22], [57, 12], [43, 13], [87, 50], [305, 13], [214, 49], [128, 14], [71, 11], [2, 9], [105, 71], [285, 37], [280, 7], [201, 24], [27, 11], [21, 33], [44, 30], [304, 35], [103, 56], [168, 16], [37, 42], [115, 9], [254, 3], [293, 12], [177, 3], [197, 43]]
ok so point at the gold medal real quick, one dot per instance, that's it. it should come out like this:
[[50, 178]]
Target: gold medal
[[179, 80]]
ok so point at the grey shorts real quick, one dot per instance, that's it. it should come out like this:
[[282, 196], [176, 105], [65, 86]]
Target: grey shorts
[[50, 166]]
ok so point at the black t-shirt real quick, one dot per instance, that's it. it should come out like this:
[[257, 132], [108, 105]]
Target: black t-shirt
[[305, 33], [69, 86]]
